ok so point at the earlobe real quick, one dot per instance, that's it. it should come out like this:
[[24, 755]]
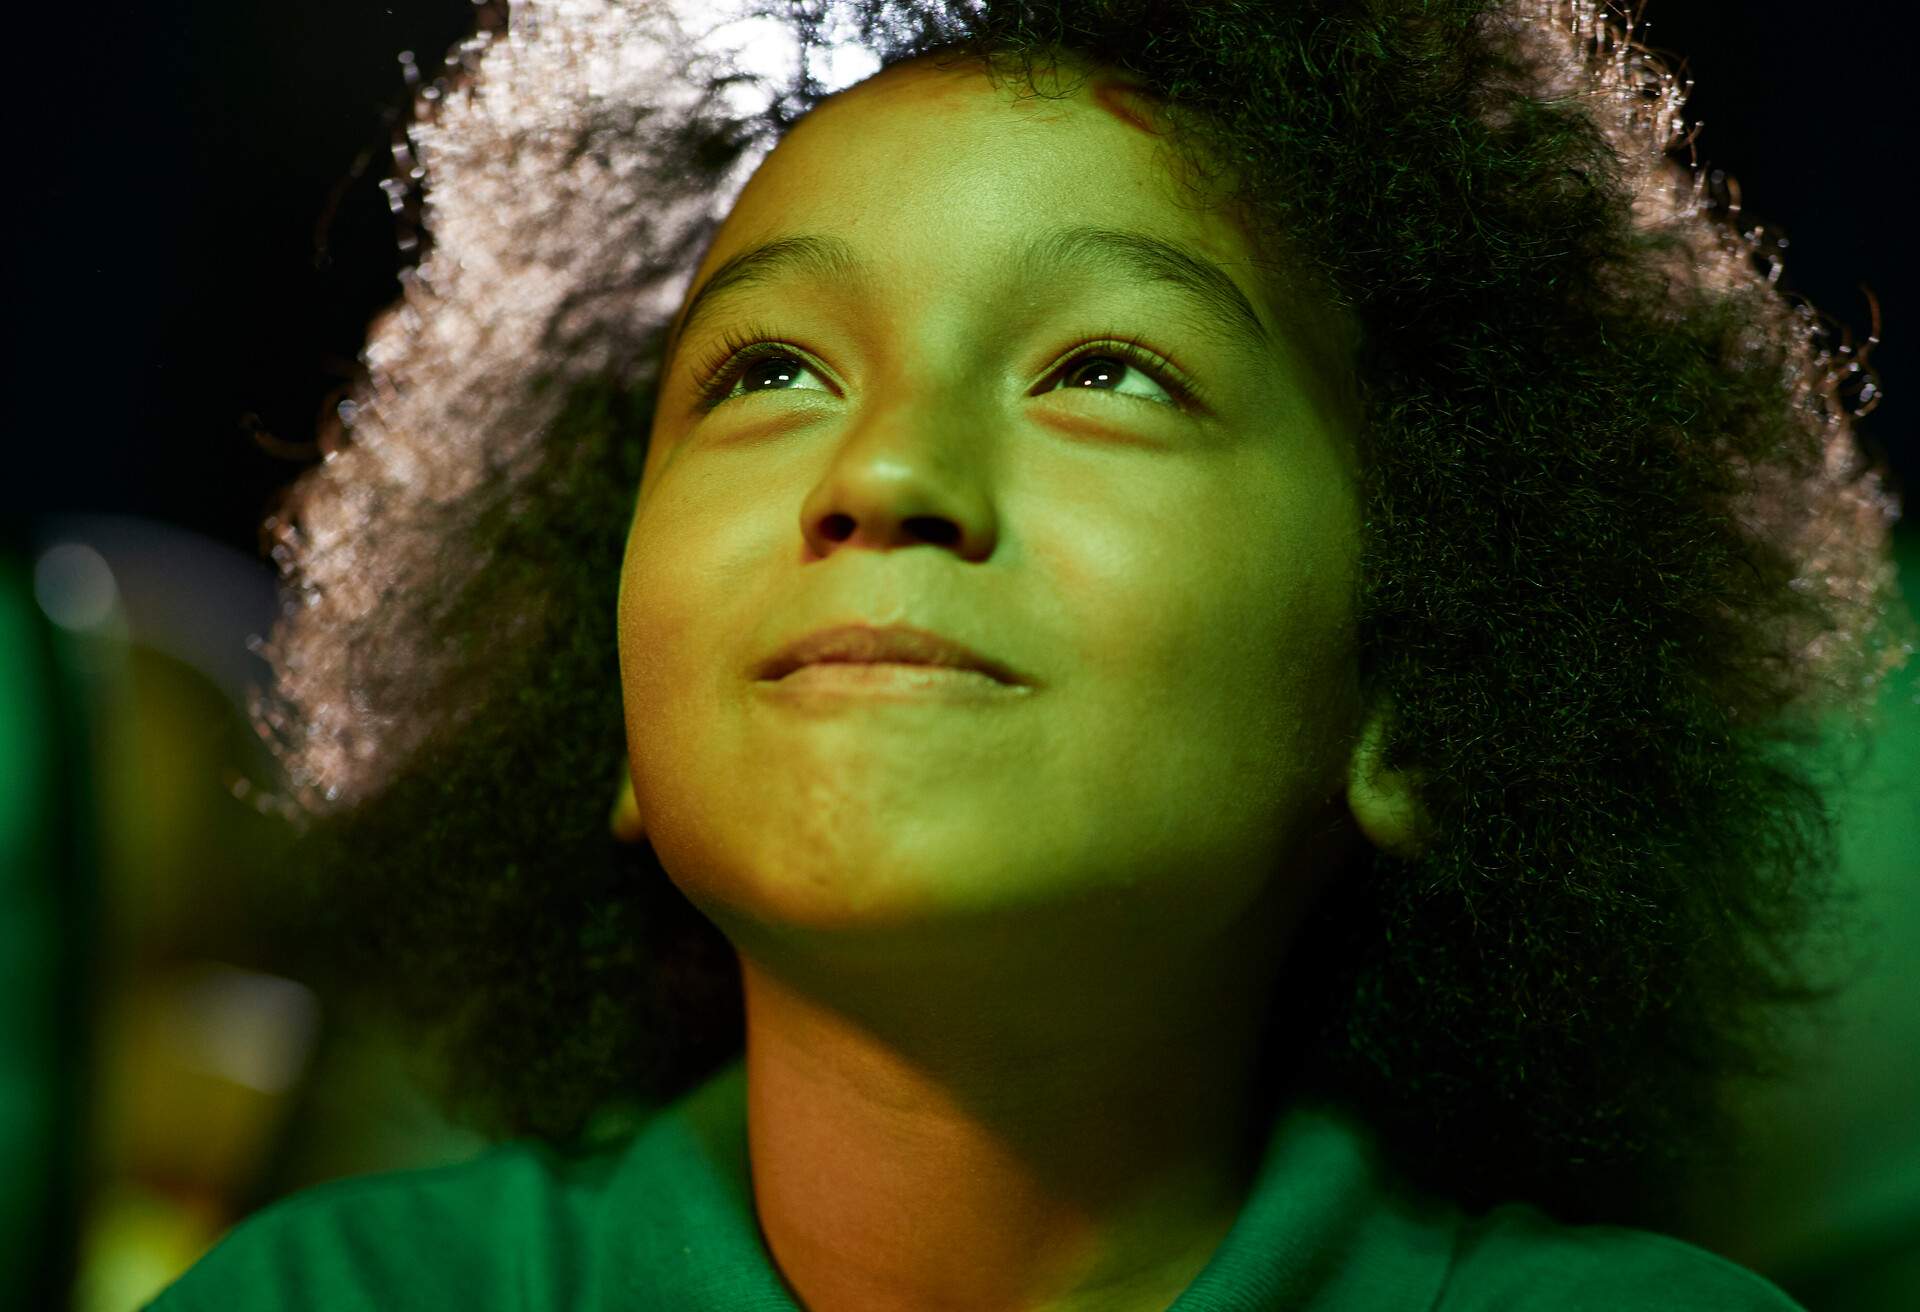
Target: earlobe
[[1383, 802], [625, 822]]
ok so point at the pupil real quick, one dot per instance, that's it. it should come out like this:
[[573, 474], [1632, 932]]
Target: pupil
[[1109, 368], [782, 373]]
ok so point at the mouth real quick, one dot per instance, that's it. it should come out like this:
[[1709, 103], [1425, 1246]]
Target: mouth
[[898, 656], [838, 681]]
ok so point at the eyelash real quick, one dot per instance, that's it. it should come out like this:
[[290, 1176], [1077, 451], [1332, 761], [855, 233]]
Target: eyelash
[[721, 368]]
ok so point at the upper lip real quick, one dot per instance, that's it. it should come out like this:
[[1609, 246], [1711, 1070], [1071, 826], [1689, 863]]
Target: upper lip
[[895, 643]]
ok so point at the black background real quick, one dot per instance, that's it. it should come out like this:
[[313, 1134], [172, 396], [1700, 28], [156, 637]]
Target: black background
[[192, 257]]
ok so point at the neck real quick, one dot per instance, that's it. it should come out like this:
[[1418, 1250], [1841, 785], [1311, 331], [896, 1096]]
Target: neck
[[998, 1175]]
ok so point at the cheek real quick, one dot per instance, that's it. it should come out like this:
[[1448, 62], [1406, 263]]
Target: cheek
[[648, 618], [1209, 657], [1272, 665]]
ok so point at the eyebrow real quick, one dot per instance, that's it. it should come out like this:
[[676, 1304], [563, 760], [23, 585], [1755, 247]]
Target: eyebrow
[[1123, 253]]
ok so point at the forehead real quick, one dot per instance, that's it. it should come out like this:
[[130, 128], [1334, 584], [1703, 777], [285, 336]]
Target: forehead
[[923, 159]]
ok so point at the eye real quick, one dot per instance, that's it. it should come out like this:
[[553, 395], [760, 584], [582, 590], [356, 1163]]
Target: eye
[[1112, 361], [736, 364]]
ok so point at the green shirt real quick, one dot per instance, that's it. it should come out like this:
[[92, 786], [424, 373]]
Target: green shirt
[[664, 1221]]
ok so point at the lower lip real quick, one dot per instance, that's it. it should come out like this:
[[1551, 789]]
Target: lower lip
[[871, 679]]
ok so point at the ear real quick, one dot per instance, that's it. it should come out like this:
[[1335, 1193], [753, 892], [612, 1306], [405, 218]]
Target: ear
[[1383, 801], [625, 821]]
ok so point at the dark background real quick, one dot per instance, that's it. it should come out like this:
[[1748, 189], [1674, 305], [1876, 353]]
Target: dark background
[[192, 257]]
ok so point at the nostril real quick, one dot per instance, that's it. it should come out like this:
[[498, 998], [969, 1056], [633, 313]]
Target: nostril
[[933, 528]]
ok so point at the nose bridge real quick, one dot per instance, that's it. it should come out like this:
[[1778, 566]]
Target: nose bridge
[[927, 386], [934, 386]]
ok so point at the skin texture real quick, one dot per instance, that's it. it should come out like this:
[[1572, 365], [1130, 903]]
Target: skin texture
[[1005, 965]]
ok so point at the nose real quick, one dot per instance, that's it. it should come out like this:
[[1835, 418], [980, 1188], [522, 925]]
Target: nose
[[890, 489]]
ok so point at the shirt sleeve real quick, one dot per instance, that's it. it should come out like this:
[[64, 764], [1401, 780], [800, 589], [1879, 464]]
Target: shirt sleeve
[[1515, 1259], [408, 1242], [268, 1263]]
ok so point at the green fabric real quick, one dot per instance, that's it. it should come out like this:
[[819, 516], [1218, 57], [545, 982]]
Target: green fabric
[[36, 1146], [665, 1221]]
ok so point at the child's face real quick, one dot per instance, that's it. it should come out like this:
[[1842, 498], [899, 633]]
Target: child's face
[[1174, 581]]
